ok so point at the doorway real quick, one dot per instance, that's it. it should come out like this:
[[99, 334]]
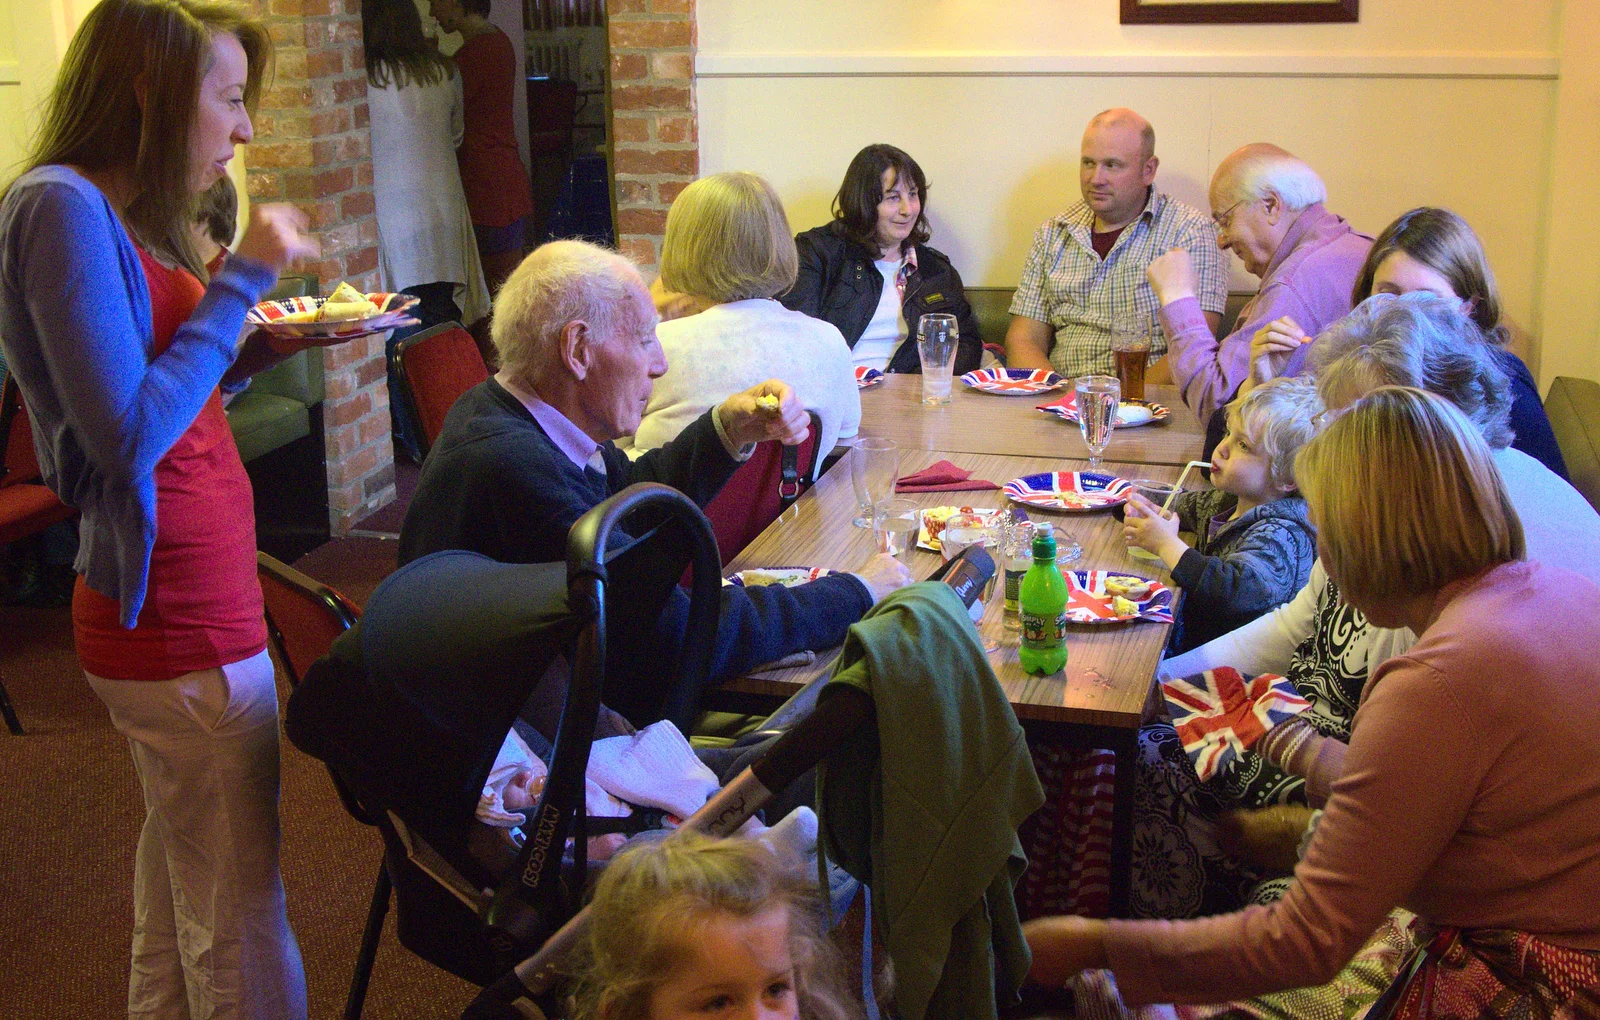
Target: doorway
[[567, 53]]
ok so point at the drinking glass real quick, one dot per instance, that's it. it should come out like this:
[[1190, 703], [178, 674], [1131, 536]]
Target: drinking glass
[[895, 523], [937, 340], [1130, 345], [1156, 492], [1098, 399], [874, 468], [963, 531]]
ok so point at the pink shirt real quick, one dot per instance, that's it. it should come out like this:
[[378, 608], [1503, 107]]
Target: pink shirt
[[1309, 279], [1470, 795]]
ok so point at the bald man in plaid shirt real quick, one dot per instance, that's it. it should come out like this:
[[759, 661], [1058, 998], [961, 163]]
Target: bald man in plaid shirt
[[1086, 269]]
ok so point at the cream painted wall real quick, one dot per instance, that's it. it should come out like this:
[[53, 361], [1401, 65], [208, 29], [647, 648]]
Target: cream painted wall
[[1448, 103], [1571, 278], [33, 36], [1091, 26]]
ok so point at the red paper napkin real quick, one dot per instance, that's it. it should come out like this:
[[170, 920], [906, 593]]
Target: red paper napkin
[[942, 477]]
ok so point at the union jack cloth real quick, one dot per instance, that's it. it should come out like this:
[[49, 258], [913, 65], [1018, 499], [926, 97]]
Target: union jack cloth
[[1219, 714]]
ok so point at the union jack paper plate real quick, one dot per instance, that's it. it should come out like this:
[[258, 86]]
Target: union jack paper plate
[[1130, 413], [1089, 602], [268, 315], [1069, 490], [1014, 382], [786, 576], [867, 377]]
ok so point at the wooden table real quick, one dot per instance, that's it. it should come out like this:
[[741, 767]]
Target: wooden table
[[975, 422], [1097, 701]]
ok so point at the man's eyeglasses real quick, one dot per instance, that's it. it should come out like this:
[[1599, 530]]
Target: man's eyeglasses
[[1224, 219]]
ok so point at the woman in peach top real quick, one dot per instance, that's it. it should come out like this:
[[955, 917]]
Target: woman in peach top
[[1470, 793]]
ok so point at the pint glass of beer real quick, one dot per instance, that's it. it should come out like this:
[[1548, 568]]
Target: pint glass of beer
[[1130, 345]]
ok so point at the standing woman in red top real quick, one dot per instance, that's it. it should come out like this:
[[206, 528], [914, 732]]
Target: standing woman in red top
[[499, 192], [122, 354]]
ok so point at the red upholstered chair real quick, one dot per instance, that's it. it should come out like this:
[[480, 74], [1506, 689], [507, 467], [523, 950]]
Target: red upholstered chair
[[304, 618], [27, 506], [433, 368], [762, 489]]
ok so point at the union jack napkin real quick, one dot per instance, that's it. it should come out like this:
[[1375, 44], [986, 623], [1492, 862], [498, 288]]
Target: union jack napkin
[[1220, 713]]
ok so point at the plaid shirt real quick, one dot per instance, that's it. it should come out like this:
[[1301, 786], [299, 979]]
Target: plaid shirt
[[1067, 285]]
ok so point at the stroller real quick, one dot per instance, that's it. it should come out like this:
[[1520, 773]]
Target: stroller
[[408, 713]]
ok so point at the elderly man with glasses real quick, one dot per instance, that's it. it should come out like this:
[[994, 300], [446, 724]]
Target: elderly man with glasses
[[1268, 209]]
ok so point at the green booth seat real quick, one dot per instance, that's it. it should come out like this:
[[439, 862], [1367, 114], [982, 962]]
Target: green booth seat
[[277, 424], [1574, 409], [275, 409]]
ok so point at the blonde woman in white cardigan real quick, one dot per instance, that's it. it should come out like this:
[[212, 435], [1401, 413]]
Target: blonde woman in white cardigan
[[728, 252]]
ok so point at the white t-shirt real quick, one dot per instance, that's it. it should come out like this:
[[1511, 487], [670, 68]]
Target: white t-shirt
[[732, 347], [887, 330]]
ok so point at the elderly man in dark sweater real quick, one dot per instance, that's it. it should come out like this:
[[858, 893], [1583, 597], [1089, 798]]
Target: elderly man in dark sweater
[[526, 453]]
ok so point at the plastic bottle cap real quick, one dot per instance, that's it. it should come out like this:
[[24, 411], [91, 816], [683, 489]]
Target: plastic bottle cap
[[1044, 547]]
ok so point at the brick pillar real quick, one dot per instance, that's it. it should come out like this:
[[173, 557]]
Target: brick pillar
[[311, 148], [655, 138]]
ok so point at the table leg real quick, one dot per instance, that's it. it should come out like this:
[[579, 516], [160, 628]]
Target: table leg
[[1125, 746]]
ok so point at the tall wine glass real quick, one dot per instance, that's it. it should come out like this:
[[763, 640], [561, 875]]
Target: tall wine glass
[[1098, 399]]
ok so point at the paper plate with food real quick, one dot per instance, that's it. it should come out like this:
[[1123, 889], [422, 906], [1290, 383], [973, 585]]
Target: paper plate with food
[[788, 577], [1069, 490], [1104, 596], [935, 517], [867, 377], [343, 315], [1014, 382], [1130, 413]]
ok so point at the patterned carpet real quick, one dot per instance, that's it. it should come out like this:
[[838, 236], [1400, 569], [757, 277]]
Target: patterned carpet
[[72, 810]]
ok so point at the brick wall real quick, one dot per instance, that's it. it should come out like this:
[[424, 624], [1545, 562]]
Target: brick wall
[[656, 145], [311, 148]]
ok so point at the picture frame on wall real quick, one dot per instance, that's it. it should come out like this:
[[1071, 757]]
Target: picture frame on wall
[[1238, 12]]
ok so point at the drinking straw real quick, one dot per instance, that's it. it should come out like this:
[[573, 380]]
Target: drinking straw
[[1179, 487]]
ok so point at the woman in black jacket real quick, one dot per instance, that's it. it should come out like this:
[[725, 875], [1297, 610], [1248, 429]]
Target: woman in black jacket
[[878, 239]]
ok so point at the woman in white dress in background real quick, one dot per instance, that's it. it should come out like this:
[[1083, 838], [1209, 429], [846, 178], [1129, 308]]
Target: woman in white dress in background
[[426, 245]]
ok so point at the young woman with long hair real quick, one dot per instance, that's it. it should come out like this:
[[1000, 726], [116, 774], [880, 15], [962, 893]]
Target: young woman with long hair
[[122, 354]]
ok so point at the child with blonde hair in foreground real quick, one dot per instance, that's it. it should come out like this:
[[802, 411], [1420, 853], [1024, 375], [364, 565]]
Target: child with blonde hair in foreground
[[692, 926]]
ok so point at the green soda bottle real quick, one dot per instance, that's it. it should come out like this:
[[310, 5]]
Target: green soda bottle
[[1042, 601]]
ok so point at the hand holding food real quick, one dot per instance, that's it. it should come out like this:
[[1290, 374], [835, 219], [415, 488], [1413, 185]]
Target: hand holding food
[[277, 236], [767, 411]]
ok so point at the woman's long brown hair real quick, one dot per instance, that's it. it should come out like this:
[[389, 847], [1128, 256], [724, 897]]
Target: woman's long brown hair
[[397, 52], [95, 119]]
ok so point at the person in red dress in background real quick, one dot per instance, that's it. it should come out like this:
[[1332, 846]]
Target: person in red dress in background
[[499, 190]]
